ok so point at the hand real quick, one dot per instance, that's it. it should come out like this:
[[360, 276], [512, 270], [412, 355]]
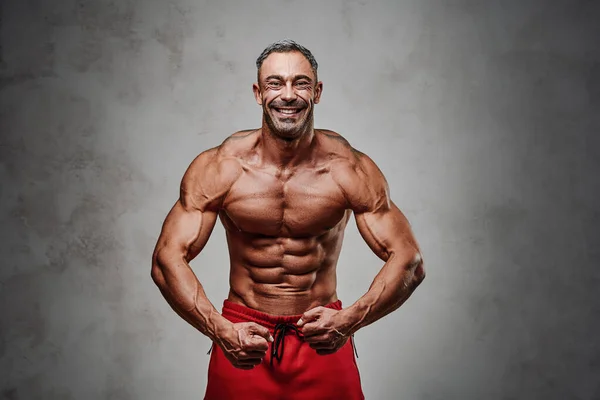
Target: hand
[[245, 344], [324, 329]]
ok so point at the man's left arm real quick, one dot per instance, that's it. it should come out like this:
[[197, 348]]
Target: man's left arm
[[387, 232]]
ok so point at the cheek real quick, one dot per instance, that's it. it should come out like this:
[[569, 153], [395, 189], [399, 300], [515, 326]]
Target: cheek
[[268, 97], [307, 97], [267, 101]]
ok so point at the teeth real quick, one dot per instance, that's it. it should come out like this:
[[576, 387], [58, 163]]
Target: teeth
[[287, 111]]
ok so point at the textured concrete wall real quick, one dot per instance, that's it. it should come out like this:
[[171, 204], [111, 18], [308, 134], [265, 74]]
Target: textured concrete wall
[[484, 115]]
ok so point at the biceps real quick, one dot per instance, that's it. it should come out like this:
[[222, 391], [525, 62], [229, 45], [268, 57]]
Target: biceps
[[184, 233], [387, 232]]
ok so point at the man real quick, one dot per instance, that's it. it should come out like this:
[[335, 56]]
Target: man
[[284, 194]]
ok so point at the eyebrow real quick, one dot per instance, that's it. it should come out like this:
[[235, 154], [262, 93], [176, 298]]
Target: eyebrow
[[281, 78]]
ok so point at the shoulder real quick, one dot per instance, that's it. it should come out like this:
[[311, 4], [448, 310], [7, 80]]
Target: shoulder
[[211, 173], [239, 143], [335, 146], [357, 175], [344, 157]]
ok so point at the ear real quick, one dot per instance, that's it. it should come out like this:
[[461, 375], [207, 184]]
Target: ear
[[318, 91], [257, 93]]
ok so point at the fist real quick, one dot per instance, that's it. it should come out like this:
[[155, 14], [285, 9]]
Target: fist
[[245, 344], [324, 329]]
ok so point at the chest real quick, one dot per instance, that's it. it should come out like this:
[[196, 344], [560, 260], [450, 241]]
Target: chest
[[307, 203]]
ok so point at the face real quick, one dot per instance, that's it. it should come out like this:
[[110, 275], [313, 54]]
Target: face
[[287, 90]]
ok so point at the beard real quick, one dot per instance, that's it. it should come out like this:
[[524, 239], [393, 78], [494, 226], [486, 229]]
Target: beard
[[288, 128]]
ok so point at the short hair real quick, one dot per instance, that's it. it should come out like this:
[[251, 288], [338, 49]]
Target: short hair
[[287, 46]]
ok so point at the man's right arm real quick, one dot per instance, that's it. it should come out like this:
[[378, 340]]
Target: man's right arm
[[184, 233]]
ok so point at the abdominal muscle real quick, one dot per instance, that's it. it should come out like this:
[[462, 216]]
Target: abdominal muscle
[[283, 276]]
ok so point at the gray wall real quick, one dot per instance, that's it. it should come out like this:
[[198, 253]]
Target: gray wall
[[484, 116]]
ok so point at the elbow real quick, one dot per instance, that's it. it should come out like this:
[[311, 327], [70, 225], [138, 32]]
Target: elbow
[[418, 269], [157, 276], [420, 274], [164, 263], [156, 272]]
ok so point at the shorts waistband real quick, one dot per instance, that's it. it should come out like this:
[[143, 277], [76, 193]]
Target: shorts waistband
[[247, 314]]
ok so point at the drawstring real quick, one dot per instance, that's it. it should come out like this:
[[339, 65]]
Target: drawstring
[[278, 340], [354, 345], [278, 336]]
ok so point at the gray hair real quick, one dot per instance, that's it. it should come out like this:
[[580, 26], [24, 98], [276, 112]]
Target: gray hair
[[286, 46]]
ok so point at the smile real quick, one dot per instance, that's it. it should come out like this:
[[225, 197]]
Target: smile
[[288, 111]]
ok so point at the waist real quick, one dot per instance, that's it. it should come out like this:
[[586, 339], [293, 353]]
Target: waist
[[239, 313]]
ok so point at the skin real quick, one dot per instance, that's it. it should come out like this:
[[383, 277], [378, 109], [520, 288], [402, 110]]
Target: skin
[[284, 193]]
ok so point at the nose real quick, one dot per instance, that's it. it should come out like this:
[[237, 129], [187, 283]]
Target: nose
[[288, 94]]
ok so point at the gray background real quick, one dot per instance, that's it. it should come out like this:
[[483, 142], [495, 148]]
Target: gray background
[[484, 116]]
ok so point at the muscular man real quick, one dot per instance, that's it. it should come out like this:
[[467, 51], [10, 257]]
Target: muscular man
[[284, 193]]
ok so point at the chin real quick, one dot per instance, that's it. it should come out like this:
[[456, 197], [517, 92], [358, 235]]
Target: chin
[[287, 131]]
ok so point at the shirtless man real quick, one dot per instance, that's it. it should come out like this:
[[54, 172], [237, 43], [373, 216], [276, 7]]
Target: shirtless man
[[284, 194]]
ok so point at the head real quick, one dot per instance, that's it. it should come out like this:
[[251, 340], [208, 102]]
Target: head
[[287, 88]]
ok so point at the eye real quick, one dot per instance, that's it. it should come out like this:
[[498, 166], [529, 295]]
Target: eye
[[302, 83], [274, 84]]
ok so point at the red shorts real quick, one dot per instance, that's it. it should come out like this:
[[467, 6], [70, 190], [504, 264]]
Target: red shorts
[[300, 373]]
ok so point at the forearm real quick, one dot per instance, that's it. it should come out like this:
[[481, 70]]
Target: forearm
[[394, 284], [184, 293]]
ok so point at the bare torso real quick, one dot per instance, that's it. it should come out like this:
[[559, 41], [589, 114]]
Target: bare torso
[[284, 193], [285, 226]]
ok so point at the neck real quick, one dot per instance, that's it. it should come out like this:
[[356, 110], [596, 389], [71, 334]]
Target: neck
[[286, 153]]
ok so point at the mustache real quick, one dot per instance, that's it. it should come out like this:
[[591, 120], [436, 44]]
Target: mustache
[[295, 104]]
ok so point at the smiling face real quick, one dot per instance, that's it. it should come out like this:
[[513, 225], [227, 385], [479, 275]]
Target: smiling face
[[287, 90]]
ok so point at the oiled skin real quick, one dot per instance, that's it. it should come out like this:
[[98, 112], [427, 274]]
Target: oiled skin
[[284, 193], [285, 227]]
